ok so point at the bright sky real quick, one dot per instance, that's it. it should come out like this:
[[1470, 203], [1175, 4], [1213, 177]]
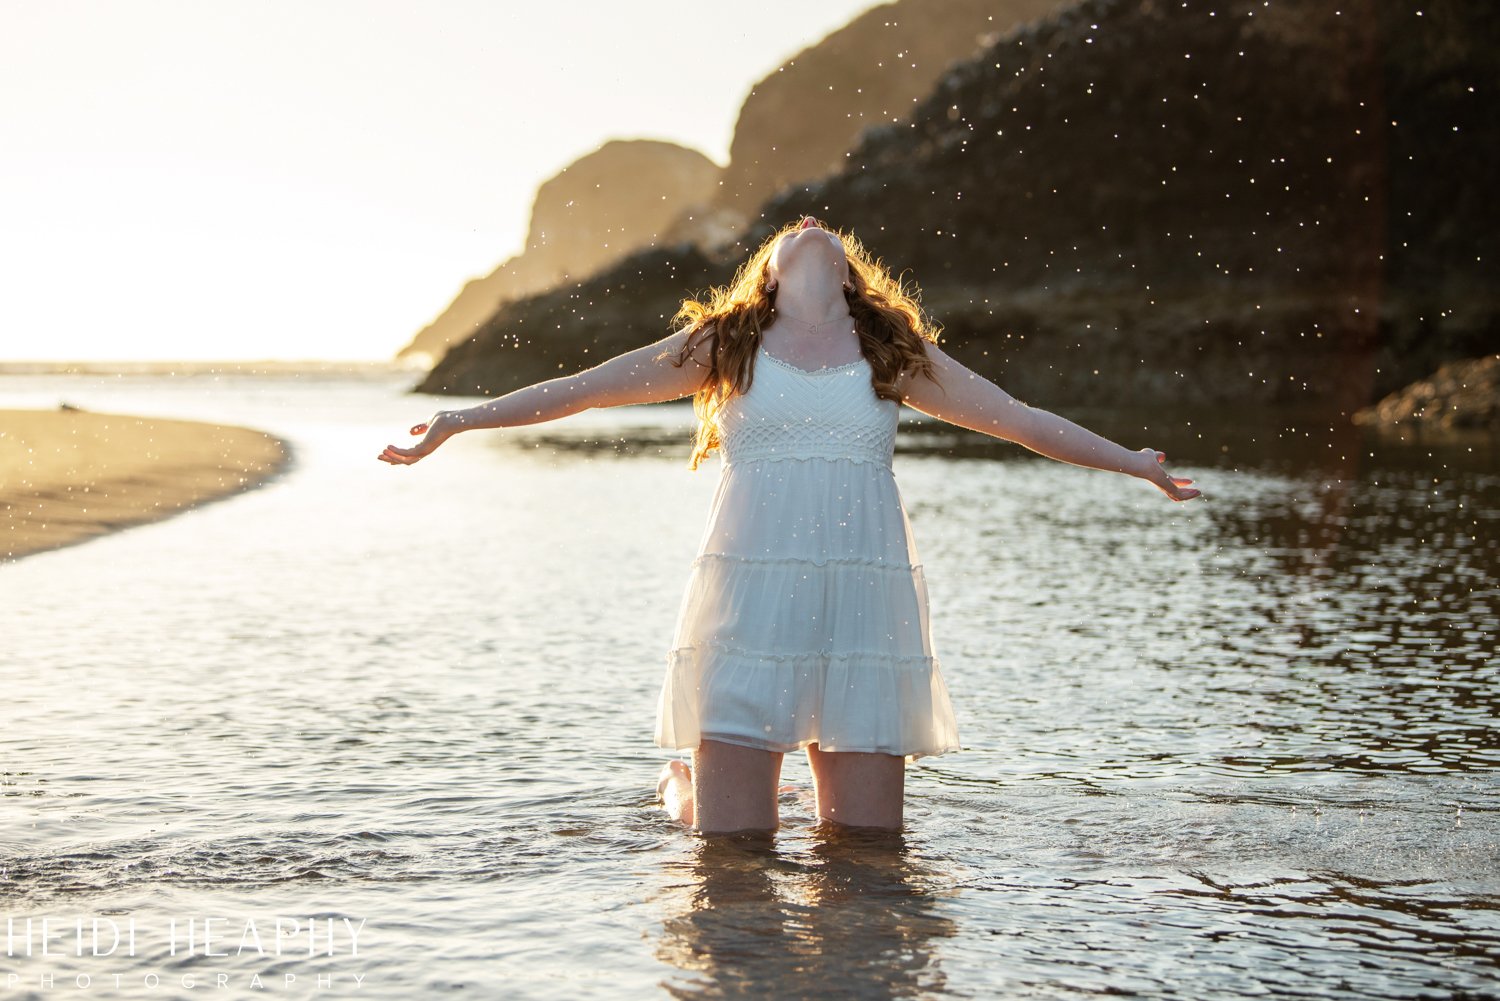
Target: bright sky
[[210, 179]]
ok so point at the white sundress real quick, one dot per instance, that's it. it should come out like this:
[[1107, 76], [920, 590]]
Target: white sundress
[[805, 617]]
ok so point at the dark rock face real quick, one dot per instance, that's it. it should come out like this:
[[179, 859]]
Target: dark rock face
[[601, 208], [1280, 203], [1462, 395], [574, 326], [1137, 202], [797, 123]]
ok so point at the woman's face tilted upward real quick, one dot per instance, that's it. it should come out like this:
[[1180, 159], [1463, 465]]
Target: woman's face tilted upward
[[809, 251]]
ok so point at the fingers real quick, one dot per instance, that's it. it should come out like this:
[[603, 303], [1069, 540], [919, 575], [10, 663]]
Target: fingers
[[406, 456], [1175, 487], [1179, 488], [399, 456], [403, 456], [1179, 493]]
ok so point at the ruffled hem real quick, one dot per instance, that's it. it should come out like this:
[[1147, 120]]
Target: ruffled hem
[[823, 745], [866, 701]]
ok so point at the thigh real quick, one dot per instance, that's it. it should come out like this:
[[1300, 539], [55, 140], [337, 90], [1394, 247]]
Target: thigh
[[734, 787], [858, 788]]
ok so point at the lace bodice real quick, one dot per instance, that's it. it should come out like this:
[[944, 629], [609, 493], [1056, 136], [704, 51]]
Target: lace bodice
[[791, 413]]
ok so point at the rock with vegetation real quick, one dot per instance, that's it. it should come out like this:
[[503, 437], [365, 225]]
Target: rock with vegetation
[[800, 121], [574, 326], [1460, 396], [795, 125], [1135, 202]]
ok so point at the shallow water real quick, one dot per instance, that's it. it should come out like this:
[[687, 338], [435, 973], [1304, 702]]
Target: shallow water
[[1245, 746]]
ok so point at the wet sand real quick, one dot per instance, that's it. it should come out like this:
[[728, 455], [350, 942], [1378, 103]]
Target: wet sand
[[67, 476]]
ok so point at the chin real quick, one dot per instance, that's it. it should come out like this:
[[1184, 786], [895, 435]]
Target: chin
[[809, 244]]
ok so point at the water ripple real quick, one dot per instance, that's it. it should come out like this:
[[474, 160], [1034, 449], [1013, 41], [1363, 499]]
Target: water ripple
[[1246, 746]]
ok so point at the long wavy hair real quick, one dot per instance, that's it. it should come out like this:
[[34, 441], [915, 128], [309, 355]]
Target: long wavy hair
[[892, 326]]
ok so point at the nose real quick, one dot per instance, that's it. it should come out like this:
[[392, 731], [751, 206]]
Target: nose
[[808, 222]]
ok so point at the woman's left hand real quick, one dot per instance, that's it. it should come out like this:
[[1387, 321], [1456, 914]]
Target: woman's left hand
[[1152, 470]]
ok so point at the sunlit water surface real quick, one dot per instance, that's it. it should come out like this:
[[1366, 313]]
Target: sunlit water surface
[[1242, 746]]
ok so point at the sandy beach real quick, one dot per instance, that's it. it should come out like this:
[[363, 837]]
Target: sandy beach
[[67, 476]]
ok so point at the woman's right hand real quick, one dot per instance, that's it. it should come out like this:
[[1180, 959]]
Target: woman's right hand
[[443, 425]]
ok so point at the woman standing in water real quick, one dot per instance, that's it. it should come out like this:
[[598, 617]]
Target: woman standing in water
[[804, 623]]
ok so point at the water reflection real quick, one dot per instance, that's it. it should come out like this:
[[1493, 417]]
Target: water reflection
[[1239, 747], [1372, 615], [753, 921]]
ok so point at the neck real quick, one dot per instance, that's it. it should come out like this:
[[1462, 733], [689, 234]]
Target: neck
[[810, 300]]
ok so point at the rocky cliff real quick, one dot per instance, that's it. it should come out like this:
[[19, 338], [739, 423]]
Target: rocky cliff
[[599, 209], [798, 122], [795, 125], [1142, 202], [1282, 203], [575, 326]]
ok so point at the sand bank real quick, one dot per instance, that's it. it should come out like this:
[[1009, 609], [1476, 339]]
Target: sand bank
[[68, 475]]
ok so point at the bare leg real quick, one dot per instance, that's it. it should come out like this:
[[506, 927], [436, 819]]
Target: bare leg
[[857, 788], [729, 788], [674, 791], [734, 787]]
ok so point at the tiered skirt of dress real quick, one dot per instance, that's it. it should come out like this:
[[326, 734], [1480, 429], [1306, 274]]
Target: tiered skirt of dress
[[804, 620]]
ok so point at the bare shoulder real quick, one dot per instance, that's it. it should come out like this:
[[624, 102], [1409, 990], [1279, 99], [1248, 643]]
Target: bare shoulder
[[914, 380], [693, 348]]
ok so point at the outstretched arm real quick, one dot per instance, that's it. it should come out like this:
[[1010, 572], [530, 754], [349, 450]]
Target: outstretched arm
[[644, 375], [963, 397]]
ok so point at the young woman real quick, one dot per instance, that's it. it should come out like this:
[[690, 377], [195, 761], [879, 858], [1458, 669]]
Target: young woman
[[804, 623]]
